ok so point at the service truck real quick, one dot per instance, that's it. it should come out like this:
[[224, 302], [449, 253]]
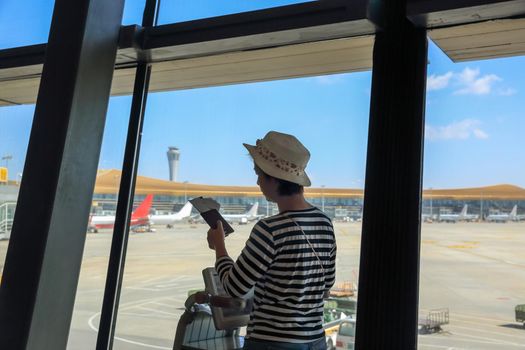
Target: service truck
[[520, 313]]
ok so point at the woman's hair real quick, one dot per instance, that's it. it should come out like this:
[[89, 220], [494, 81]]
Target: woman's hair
[[284, 188]]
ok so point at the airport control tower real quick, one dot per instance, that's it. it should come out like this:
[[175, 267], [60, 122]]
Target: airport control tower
[[173, 162]]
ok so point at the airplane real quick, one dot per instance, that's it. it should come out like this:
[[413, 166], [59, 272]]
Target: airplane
[[520, 217], [504, 217], [462, 216], [470, 217], [139, 217], [250, 215], [170, 219]]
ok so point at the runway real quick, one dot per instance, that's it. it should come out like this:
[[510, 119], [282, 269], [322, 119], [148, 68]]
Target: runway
[[476, 270]]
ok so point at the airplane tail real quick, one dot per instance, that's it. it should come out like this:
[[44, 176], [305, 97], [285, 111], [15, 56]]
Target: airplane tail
[[464, 211], [514, 212], [185, 211], [253, 210], [142, 210]]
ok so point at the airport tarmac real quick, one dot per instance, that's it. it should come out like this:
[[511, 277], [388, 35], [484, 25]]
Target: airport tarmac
[[476, 270]]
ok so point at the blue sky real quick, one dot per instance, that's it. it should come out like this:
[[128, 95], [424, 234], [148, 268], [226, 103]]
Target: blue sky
[[474, 116]]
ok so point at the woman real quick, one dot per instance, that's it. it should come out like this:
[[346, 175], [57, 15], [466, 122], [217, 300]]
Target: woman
[[289, 257]]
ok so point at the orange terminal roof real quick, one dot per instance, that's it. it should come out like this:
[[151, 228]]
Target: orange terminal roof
[[502, 192], [108, 181]]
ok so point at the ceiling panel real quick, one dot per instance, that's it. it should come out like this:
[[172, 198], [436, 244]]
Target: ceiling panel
[[316, 58], [490, 39], [311, 39]]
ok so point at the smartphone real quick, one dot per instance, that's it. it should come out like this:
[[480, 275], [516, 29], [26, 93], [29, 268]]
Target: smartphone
[[212, 216]]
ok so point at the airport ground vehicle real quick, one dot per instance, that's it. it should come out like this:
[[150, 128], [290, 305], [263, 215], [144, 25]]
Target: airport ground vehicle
[[336, 310], [330, 330], [520, 313], [433, 321], [345, 335], [340, 333]]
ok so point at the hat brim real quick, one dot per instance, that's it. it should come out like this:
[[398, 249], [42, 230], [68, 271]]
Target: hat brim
[[271, 170]]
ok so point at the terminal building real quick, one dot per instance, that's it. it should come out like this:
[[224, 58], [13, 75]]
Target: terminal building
[[341, 204], [338, 203], [91, 56]]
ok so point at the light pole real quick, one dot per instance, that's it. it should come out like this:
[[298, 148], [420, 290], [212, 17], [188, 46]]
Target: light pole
[[481, 207], [7, 158], [116, 178], [430, 194], [185, 192]]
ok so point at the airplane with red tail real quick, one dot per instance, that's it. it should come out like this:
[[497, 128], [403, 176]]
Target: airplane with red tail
[[139, 217]]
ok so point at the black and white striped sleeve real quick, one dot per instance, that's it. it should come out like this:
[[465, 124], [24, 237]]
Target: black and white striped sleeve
[[329, 277], [239, 277]]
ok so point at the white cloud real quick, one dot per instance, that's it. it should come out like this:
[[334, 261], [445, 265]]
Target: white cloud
[[461, 130], [480, 134], [471, 82], [468, 82], [438, 82], [507, 92]]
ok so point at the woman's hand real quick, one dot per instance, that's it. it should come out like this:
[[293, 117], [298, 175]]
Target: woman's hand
[[216, 237]]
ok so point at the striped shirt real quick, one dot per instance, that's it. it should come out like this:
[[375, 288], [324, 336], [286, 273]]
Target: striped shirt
[[288, 277]]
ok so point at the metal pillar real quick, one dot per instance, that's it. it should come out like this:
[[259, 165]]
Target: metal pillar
[[42, 266], [389, 266], [117, 258]]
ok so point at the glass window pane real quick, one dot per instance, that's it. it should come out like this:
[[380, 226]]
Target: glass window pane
[[16, 124], [471, 266], [133, 12], [27, 22], [180, 11], [203, 131], [90, 292]]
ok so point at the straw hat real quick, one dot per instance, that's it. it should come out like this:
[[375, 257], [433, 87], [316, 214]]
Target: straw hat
[[282, 156]]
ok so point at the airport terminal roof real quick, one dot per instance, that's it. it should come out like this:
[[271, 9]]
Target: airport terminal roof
[[504, 191], [108, 180]]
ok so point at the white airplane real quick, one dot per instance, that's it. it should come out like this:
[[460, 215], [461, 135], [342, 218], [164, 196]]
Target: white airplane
[[518, 217], [250, 215], [470, 217], [462, 216], [504, 217], [170, 219]]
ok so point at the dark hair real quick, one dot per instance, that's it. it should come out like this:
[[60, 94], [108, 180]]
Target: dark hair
[[284, 188]]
